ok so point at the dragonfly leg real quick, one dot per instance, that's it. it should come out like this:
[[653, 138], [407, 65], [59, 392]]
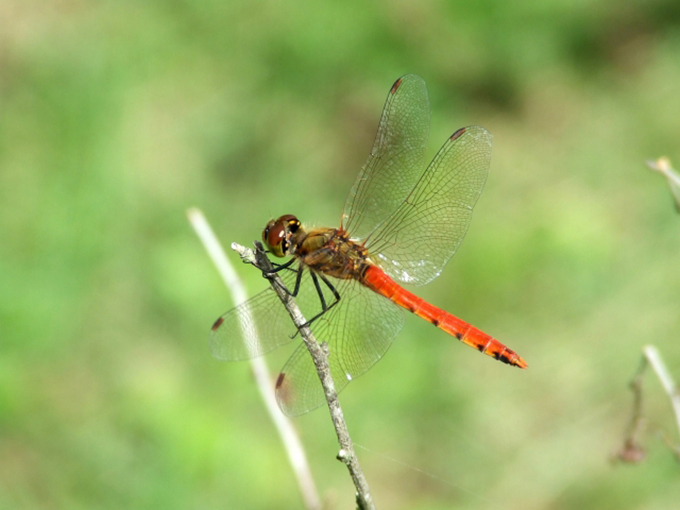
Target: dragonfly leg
[[279, 267], [324, 307], [281, 286], [332, 288], [315, 279]]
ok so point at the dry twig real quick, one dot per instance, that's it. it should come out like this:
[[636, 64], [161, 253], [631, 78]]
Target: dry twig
[[263, 379], [319, 353]]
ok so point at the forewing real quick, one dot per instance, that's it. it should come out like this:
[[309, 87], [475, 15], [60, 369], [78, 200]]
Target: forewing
[[358, 331], [424, 232], [396, 160], [261, 324]]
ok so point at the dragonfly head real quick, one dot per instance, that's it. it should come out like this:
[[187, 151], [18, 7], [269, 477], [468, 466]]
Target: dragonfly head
[[277, 235]]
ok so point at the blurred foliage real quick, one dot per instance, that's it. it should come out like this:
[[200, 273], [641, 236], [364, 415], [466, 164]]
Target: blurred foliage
[[115, 117]]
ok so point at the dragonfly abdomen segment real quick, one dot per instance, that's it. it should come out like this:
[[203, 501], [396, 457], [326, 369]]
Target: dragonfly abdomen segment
[[378, 281]]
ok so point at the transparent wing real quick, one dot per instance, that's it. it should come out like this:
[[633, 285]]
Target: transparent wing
[[424, 232], [262, 324], [358, 331], [396, 160]]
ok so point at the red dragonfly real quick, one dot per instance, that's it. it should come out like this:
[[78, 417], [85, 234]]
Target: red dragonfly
[[399, 224]]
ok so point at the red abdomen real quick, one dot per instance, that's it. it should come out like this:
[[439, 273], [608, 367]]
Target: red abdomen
[[378, 281]]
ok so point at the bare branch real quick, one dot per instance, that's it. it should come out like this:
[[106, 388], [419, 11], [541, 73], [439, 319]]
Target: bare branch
[[319, 353], [663, 166], [632, 450], [263, 379], [667, 382]]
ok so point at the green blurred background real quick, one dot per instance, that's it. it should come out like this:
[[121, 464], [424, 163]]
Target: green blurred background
[[116, 116]]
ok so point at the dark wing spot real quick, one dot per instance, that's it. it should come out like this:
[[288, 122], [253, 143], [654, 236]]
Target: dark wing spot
[[457, 134], [218, 323], [280, 379], [396, 85]]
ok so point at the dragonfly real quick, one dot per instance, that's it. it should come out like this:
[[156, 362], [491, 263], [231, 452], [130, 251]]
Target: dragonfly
[[401, 223]]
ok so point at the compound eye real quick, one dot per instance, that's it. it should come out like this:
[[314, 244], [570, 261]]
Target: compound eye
[[265, 233], [274, 237], [291, 221]]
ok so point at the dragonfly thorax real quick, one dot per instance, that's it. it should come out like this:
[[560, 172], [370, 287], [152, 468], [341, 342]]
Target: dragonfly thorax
[[332, 252]]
